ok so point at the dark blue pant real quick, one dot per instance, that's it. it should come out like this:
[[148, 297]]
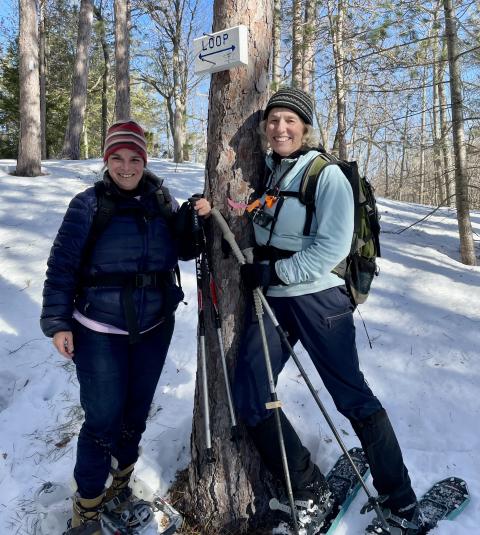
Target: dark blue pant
[[323, 323], [117, 384]]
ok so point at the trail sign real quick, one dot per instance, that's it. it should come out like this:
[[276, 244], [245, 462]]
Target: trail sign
[[222, 50]]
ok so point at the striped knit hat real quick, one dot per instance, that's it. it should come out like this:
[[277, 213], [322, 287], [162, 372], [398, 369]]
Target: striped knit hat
[[293, 99], [125, 135]]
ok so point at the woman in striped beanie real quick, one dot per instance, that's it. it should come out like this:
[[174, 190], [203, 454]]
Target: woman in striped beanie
[[108, 303]]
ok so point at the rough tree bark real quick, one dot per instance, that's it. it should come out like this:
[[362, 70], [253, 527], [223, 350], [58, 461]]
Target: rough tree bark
[[122, 60], [29, 149], [467, 246], [78, 98], [231, 494]]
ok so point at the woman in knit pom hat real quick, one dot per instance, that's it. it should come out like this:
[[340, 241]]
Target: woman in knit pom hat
[[295, 269], [108, 303]]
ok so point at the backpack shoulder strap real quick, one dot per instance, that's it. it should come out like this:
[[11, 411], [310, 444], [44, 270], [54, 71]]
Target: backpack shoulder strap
[[105, 209], [164, 200], [101, 218], [308, 186]]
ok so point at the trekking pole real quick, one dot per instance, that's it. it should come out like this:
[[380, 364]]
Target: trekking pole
[[198, 237], [274, 403], [230, 238], [218, 327]]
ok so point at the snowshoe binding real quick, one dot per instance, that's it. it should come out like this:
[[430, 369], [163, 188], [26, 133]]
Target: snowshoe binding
[[313, 505], [406, 521], [136, 517]]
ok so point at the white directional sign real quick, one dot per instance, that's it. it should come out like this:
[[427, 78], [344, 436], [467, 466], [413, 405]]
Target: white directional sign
[[221, 51]]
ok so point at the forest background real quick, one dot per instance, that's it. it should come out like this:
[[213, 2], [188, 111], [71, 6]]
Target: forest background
[[378, 71]]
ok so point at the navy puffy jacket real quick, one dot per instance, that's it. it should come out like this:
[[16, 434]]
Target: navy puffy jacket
[[137, 240]]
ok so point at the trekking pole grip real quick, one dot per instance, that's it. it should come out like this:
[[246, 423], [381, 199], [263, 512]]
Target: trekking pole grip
[[228, 235], [196, 225]]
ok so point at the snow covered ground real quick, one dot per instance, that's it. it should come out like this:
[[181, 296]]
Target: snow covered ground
[[423, 319]]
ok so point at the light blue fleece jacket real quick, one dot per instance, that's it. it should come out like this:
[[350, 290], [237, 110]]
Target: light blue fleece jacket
[[309, 269]]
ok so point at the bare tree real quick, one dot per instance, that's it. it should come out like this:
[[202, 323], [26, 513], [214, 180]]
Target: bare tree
[[467, 246], [444, 130], [122, 59], [29, 149], [78, 99], [168, 70], [43, 77], [337, 22], [297, 43], [106, 70], [276, 43], [308, 50], [231, 494]]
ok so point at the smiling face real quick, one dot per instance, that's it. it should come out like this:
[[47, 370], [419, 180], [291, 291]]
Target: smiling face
[[126, 167], [284, 130]]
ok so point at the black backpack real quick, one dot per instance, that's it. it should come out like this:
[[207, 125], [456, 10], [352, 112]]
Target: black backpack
[[359, 268]]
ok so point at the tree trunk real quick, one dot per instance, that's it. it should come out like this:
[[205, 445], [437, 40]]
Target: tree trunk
[[337, 27], [422, 138], [387, 163], [178, 95], [29, 149], [437, 161], [85, 142], [308, 55], [276, 44], [467, 246], [178, 131], [122, 60], [78, 99], [230, 494], [444, 131], [297, 43], [399, 195], [105, 75], [43, 78]]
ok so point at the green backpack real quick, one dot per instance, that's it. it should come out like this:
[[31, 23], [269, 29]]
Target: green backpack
[[359, 268]]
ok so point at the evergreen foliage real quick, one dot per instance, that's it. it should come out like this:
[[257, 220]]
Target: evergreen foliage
[[9, 102]]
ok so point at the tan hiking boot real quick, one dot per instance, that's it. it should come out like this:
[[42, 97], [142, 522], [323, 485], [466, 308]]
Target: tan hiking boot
[[87, 512], [119, 493]]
